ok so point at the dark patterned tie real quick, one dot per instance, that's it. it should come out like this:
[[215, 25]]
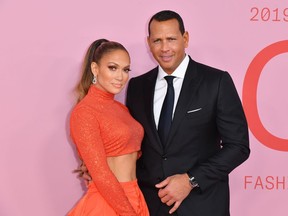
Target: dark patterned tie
[[165, 119]]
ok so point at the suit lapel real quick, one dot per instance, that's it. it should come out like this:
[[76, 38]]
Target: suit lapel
[[151, 130], [190, 84]]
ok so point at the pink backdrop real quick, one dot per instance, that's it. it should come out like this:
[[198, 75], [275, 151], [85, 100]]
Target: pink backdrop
[[42, 44]]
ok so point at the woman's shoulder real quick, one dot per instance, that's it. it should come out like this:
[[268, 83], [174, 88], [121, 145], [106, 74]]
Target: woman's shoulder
[[121, 105], [84, 109]]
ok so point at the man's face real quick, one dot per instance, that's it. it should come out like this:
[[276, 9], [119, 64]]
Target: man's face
[[167, 44]]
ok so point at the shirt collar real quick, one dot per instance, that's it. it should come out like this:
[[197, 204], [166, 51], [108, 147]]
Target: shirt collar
[[179, 72]]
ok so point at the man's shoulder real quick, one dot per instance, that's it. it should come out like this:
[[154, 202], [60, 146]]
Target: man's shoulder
[[207, 73], [208, 68], [148, 75]]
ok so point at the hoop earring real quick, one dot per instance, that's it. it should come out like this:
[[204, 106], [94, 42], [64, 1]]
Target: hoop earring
[[94, 80]]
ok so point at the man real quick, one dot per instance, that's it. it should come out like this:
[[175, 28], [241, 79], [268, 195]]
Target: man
[[185, 171]]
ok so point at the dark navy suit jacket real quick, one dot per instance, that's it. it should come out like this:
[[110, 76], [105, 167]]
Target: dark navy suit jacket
[[208, 139]]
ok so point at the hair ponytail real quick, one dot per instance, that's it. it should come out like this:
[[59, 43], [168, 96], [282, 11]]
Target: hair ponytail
[[87, 75]]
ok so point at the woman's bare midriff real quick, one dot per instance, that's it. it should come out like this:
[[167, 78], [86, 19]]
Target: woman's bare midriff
[[124, 166]]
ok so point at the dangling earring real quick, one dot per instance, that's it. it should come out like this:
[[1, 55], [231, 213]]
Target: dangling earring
[[94, 80]]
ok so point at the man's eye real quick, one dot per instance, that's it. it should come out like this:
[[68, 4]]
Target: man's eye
[[156, 41]]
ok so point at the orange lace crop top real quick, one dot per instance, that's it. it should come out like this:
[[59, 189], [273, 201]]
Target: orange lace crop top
[[101, 127]]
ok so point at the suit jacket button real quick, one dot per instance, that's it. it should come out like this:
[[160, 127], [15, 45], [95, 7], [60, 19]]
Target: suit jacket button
[[164, 157]]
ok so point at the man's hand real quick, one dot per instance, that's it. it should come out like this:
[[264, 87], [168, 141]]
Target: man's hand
[[173, 190], [83, 173]]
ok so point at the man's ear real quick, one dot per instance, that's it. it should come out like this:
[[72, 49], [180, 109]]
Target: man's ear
[[186, 38], [148, 42]]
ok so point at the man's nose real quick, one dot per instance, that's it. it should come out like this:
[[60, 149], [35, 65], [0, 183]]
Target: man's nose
[[164, 46]]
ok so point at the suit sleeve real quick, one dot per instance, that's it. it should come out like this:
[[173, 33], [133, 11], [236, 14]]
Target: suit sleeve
[[86, 135], [232, 127], [128, 99]]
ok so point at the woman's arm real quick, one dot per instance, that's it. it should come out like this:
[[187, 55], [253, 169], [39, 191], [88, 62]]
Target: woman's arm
[[85, 132]]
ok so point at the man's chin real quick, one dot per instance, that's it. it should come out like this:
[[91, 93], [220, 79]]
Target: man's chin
[[166, 67]]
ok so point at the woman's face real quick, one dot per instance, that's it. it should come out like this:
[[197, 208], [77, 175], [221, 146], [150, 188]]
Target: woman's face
[[112, 72]]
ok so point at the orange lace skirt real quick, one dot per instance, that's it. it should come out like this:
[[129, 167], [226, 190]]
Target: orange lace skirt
[[93, 204]]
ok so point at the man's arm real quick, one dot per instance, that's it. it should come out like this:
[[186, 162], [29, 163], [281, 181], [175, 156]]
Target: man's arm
[[233, 129]]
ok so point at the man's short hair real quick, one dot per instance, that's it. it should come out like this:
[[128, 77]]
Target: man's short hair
[[167, 15]]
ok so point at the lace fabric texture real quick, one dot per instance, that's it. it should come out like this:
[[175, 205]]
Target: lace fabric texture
[[101, 127]]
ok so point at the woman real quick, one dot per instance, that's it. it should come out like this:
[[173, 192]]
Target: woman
[[107, 137]]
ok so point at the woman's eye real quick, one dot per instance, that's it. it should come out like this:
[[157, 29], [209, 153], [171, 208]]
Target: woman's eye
[[127, 70], [112, 68]]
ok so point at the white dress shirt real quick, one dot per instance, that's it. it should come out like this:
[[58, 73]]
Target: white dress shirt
[[161, 87]]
